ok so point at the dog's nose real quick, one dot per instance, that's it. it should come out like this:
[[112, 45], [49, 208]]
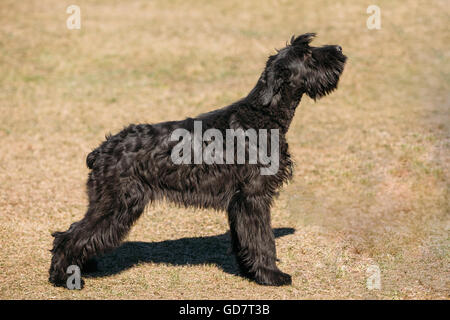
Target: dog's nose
[[339, 48]]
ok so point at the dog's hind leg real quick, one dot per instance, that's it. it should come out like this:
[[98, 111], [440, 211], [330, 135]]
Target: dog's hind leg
[[253, 241], [110, 215]]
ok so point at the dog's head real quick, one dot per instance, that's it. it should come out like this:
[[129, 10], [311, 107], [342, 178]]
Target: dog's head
[[304, 69]]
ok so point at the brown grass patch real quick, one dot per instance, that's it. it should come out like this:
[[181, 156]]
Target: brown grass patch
[[372, 176]]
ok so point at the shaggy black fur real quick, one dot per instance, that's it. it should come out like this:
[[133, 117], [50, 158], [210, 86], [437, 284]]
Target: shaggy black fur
[[133, 168]]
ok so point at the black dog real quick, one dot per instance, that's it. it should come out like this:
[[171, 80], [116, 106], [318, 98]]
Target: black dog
[[134, 167]]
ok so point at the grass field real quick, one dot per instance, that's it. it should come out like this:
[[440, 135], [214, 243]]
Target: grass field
[[371, 183]]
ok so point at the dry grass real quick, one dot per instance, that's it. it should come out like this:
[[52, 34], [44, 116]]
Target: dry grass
[[372, 176]]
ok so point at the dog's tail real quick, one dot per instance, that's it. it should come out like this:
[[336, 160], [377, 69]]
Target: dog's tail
[[90, 159]]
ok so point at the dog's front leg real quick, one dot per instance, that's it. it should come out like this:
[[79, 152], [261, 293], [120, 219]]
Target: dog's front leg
[[253, 241]]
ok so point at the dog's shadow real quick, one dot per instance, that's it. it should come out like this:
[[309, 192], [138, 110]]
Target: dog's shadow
[[184, 251]]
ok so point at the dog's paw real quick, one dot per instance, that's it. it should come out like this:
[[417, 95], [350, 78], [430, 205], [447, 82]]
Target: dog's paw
[[271, 277], [62, 282]]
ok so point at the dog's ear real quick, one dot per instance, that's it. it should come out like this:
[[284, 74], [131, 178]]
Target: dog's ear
[[303, 40], [268, 80], [272, 80]]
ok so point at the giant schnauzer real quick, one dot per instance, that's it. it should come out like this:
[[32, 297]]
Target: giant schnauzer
[[135, 167]]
